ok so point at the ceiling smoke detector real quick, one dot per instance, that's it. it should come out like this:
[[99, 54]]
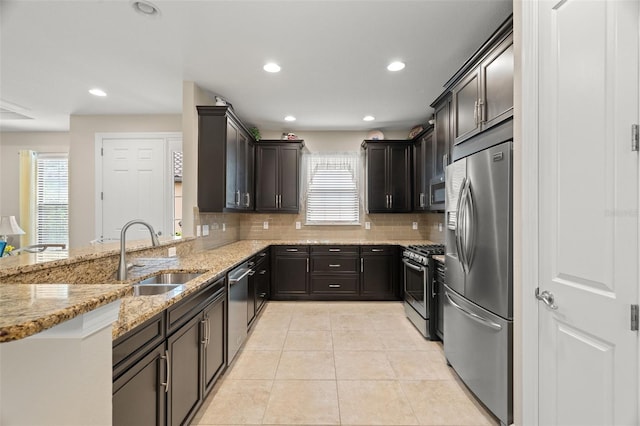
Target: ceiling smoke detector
[[146, 8]]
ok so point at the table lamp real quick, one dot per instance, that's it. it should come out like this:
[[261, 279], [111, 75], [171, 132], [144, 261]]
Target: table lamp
[[9, 226]]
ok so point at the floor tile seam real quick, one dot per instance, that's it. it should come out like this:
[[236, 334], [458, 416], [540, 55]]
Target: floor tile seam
[[275, 372], [406, 397]]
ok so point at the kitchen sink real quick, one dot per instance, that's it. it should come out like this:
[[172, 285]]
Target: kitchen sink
[[169, 278], [153, 289], [162, 283]]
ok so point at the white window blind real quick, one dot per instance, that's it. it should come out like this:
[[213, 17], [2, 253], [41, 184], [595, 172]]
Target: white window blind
[[332, 195], [52, 199]]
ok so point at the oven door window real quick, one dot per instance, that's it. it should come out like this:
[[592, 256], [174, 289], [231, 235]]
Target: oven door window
[[414, 285]]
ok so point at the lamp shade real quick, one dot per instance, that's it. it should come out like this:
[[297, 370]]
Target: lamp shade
[[9, 226]]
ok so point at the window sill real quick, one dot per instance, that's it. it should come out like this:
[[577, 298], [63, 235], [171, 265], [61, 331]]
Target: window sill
[[332, 224]]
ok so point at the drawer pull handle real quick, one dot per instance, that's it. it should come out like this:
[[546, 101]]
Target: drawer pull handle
[[264, 271], [334, 249], [377, 250], [292, 249], [335, 285], [335, 265], [262, 254]]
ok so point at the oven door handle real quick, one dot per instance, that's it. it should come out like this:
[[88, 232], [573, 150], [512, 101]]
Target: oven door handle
[[473, 316], [412, 266]]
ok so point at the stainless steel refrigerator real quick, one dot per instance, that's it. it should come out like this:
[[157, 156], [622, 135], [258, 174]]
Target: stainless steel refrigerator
[[478, 297]]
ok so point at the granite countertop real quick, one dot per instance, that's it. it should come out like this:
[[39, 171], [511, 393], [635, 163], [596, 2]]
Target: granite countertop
[[22, 313], [438, 258]]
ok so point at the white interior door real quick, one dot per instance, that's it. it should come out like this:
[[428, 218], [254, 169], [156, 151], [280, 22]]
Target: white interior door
[[588, 229], [134, 176]]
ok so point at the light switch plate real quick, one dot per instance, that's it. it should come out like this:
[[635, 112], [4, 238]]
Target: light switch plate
[[298, 225], [171, 252], [224, 227], [198, 230], [265, 225], [414, 226], [205, 230], [367, 225], [440, 227]]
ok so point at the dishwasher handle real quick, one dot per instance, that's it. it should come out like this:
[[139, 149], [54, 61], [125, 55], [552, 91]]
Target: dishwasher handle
[[233, 280]]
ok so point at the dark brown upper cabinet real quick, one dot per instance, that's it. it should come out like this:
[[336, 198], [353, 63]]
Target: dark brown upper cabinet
[[388, 168], [278, 176], [225, 161], [441, 150], [482, 91], [422, 169]]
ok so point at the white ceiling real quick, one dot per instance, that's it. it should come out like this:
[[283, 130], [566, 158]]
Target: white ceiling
[[333, 56]]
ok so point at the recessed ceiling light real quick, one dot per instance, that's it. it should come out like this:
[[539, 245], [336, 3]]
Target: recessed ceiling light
[[98, 92], [395, 66], [145, 7], [289, 118], [369, 118], [272, 67]]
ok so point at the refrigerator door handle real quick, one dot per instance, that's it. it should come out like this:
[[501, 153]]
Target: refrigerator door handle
[[470, 226], [475, 317], [462, 221], [459, 224]]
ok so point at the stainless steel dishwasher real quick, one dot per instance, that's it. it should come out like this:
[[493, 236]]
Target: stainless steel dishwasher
[[238, 297]]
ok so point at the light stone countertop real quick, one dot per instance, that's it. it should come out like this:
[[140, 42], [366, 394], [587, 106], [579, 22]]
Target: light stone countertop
[[439, 258], [21, 315]]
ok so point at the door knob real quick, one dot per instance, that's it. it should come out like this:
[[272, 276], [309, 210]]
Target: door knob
[[547, 298]]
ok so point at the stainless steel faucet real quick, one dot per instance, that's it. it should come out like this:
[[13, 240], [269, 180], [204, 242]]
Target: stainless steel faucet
[[122, 266]]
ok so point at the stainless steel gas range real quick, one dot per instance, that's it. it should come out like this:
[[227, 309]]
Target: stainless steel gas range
[[420, 296]]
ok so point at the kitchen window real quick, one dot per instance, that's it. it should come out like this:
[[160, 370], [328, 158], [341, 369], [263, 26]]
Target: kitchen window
[[332, 190], [52, 199]]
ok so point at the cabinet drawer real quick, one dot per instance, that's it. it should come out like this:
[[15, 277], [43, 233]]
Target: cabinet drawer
[[378, 250], [335, 264], [135, 344], [291, 250], [334, 285], [183, 311], [334, 249]]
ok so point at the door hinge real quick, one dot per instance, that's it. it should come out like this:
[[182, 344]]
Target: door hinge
[[102, 152], [102, 196], [635, 138], [634, 317]]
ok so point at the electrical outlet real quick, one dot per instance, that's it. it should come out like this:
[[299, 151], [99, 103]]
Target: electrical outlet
[[198, 230], [298, 225], [224, 227], [440, 227], [205, 230], [367, 225], [171, 252], [414, 226], [265, 225]]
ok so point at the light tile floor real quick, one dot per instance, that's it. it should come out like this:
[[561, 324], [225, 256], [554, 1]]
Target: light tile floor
[[339, 363]]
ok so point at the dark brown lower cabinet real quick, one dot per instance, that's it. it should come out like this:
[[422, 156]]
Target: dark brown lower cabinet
[[185, 387], [379, 273], [215, 350], [290, 272], [138, 394], [167, 384]]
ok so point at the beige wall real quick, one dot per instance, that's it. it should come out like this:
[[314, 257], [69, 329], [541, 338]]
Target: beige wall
[[192, 96], [10, 144], [83, 129]]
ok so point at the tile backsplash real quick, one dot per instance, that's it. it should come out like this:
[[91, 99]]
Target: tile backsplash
[[250, 226]]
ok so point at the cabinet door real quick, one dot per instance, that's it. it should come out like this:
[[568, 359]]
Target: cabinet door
[[378, 277], [290, 276], [241, 170], [185, 386], [466, 93], [138, 395], [266, 178], [497, 73], [376, 179], [249, 200], [215, 348], [232, 158], [419, 193], [399, 178], [288, 165], [441, 136]]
